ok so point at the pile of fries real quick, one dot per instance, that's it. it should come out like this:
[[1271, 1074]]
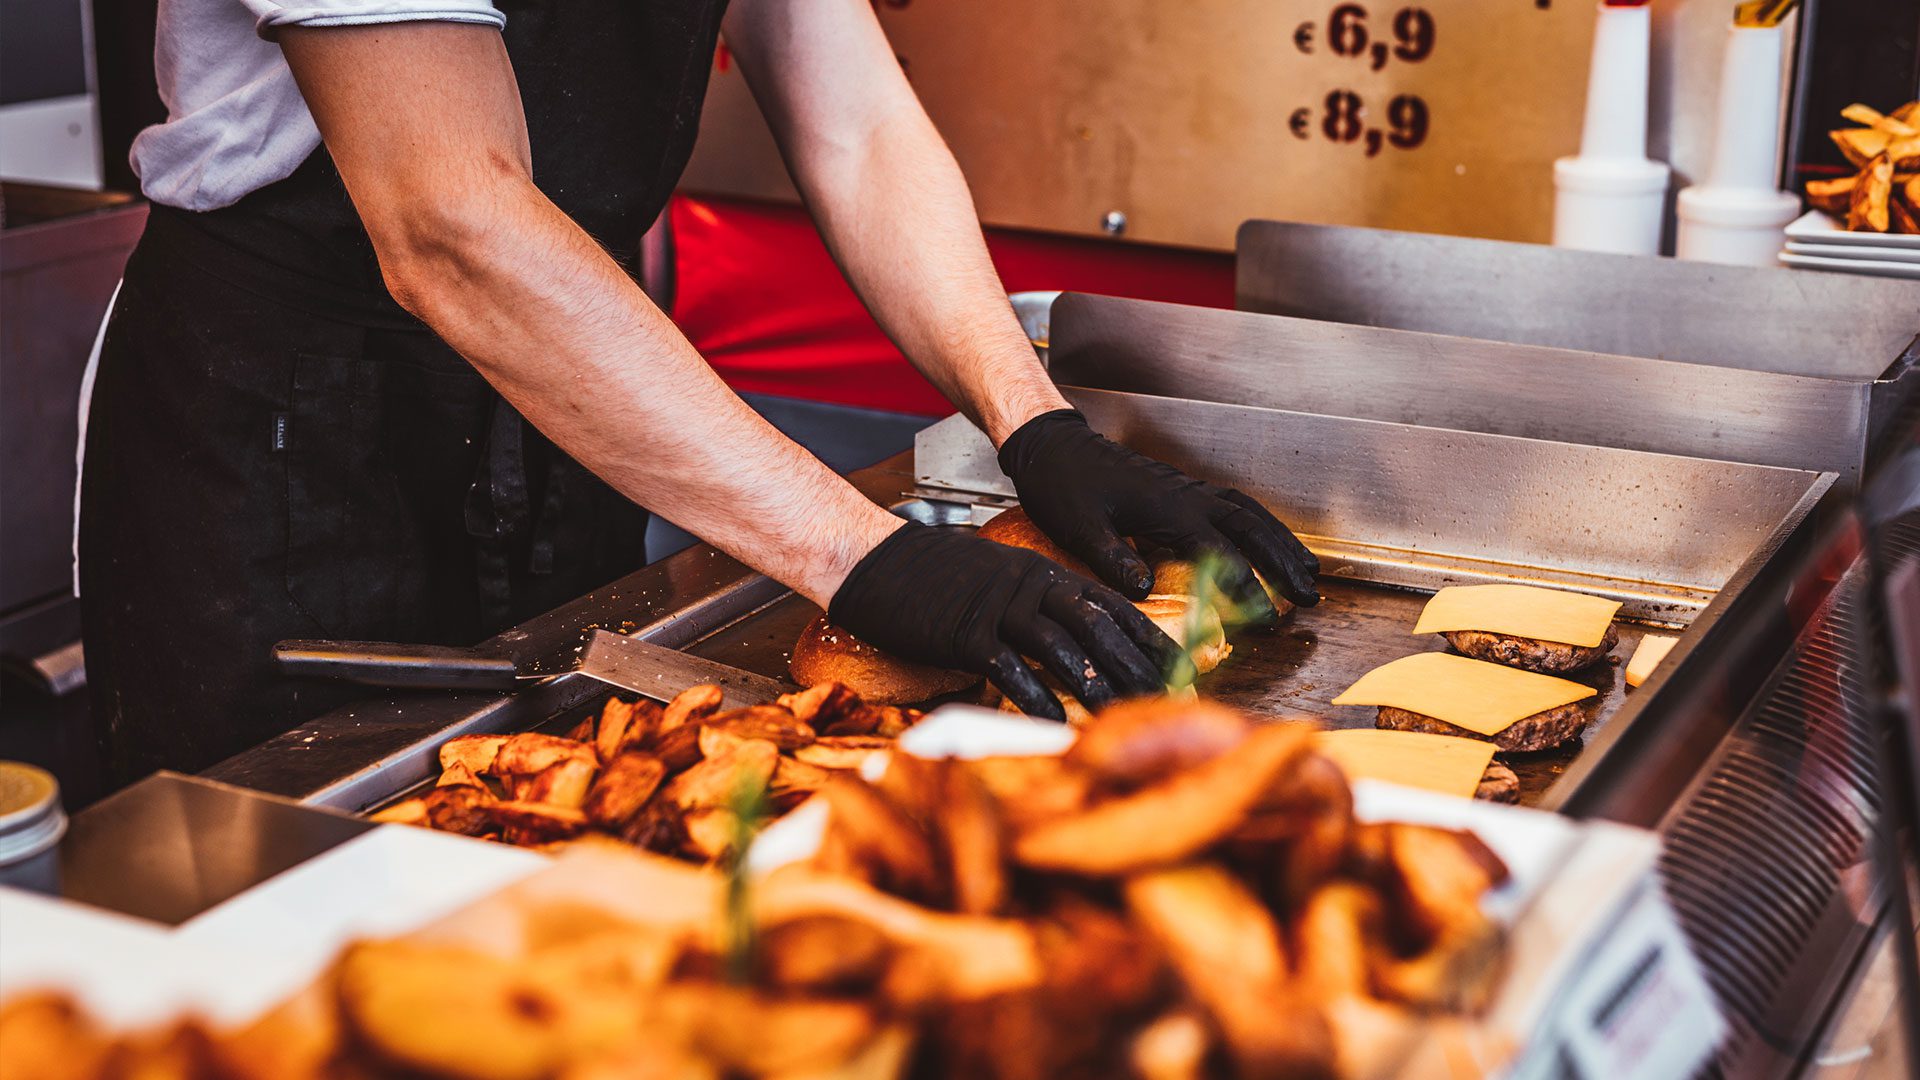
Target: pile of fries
[[1884, 196], [1202, 899], [658, 777], [1185, 894]]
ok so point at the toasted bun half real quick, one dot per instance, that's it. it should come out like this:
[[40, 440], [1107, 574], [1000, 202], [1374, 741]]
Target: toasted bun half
[[1015, 529], [1173, 577], [826, 653], [1169, 613], [1176, 576]]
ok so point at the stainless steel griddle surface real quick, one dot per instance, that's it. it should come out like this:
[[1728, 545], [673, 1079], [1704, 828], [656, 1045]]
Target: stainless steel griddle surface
[[1294, 669]]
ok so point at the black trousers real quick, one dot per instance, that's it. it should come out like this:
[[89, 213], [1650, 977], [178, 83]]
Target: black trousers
[[263, 463]]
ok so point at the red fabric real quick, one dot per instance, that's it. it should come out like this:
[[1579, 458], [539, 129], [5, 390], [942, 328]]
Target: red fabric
[[758, 295]]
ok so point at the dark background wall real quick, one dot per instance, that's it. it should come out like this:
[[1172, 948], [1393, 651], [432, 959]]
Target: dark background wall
[[43, 50]]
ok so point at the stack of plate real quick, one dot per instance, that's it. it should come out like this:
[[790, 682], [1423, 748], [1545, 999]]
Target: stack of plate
[[1817, 242]]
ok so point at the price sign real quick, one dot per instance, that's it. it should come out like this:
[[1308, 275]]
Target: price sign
[[1431, 115]]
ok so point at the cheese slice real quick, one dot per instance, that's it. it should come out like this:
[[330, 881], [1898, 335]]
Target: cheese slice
[[1443, 763], [1528, 611], [1483, 698], [1647, 655]]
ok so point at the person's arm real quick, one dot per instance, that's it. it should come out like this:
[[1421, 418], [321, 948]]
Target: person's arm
[[424, 122], [898, 218], [890, 201]]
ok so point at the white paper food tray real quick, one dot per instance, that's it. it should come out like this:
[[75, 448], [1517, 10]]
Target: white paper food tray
[[241, 957]]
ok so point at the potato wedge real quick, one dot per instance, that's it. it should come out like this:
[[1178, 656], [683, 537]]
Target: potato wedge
[[795, 781], [458, 773], [1330, 938], [615, 718], [972, 843], [751, 1032], [843, 751], [1834, 196], [882, 840], [1437, 877], [768, 722], [1172, 1047], [653, 1059], [1141, 741], [623, 788], [1859, 144], [530, 752], [1310, 813], [476, 752], [693, 703], [953, 957], [823, 954], [660, 827], [710, 832], [714, 742], [1170, 821], [1904, 218], [1873, 118], [1226, 948], [1096, 958], [404, 812], [444, 1011], [530, 823], [885, 1057], [859, 718], [563, 783], [679, 748], [819, 705], [716, 781], [47, 1037], [1868, 209], [1456, 973], [1210, 924], [460, 808]]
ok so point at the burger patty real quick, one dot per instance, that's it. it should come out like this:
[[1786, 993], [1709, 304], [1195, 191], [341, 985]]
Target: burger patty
[[1500, 784], [1546, 657], [1541, 731]]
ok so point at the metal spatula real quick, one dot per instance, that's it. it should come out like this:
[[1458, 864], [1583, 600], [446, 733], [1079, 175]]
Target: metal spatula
[[628, 663]]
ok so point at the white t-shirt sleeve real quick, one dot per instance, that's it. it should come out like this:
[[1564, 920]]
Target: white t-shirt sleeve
[[273, 15]]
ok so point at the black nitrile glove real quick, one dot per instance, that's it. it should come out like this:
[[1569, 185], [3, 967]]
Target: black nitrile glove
[[951, 599], [1087, 493]]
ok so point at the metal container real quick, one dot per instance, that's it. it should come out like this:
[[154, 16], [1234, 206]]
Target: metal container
[[1437, 380], [1757, 318], [31, 825]]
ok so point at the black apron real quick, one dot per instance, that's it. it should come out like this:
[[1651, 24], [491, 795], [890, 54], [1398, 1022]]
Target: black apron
[[275, 449]]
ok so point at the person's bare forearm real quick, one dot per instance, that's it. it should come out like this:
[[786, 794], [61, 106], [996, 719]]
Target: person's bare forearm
[[890, 202], [910, 243], [567, 338]]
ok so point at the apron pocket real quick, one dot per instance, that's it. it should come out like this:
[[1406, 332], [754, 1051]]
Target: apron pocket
[[344, 514]]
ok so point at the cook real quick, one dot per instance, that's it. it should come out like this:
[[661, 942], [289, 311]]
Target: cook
[[379, 367]]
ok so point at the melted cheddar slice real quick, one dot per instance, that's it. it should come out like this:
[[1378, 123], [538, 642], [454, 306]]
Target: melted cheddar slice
[[1567, 618], [1647, 655], [1483, 698], [1415, 759]]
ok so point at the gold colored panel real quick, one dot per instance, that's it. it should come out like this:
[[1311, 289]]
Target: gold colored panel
[[1190, 117]]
